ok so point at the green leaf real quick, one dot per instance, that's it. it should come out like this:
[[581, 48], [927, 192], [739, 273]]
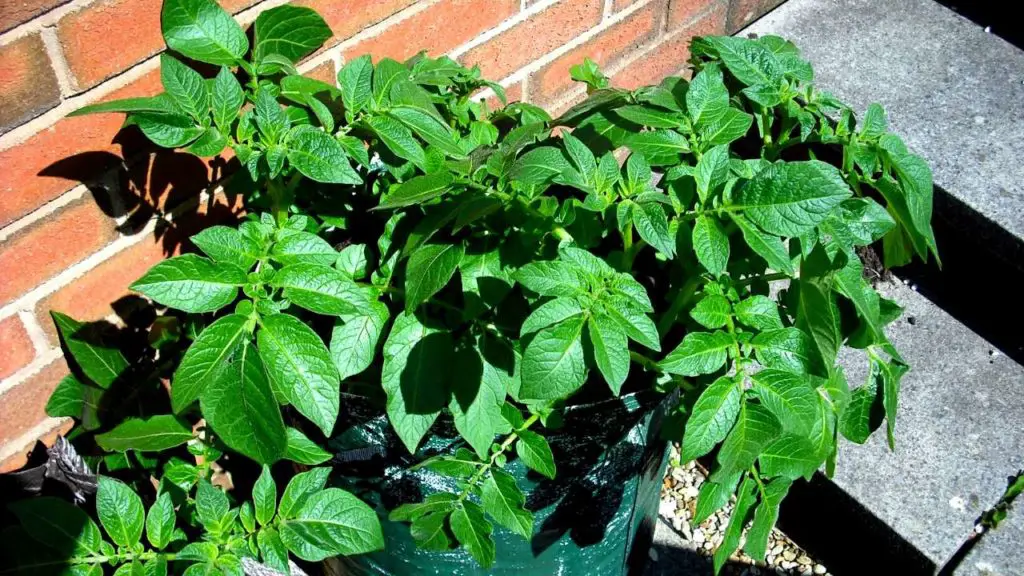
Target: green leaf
[[160, 521], [239, 405], [764, 245], [787, 349], [789, 397], [303, 450], [651, 222], [711, 497], [890, 374], [291, 31], [765, 517], [273, 550], [660, 147], [152, 434], [212, 504], [750, 62], [535, 452], [863, 414], [203, 31], [191, 283], [120, 511], [552, 278], [227, 98], [711, 171], [915, 178], [300, 368], [790, 198], [699, 353], [100, 363], [650, 116], [632, 320], [429, 532], [227, 245], [295, 246], [417, 190], [711, 244], [478, 393], [711, 418], [790, 456], [707, 97], [429, 270], [332, 522], [553, 363], [712, 311], [270, 118], [731, 126], [167, 130], [355, 79], [581, 156], [318, 156], [397, 138], [387, 74], [875, 125], [299, 489], [438, 502], [428, 127], [473, 531], [354, 340], [755, 429], [504, 501], [539, 166], [745, 500], [63, 527], [818, 315], [321, 289], [264, 497], [759, 312], [416, 390], [72, 399], [206, 358], [185, 87], [551, 312], [161, 103], [611, 350]]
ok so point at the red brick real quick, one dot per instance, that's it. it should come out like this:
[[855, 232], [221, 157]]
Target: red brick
[[14, 12], [552, 81], [620, 4], [20, 458], [28, 85], [16, 347], [325, 73], [534, 37], [350, 16], [52, 244], [513, 93], [108, 37], [22, 407], [235, 6], [23, 186], [682, 12], [90, 297], [670, 56], [437, 29]]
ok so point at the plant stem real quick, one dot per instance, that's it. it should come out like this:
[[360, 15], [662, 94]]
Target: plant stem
[[765, 277], [645, 361], [277, 191], [505, 445], [760, 485]]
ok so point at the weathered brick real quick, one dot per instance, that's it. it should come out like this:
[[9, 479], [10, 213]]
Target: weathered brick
[[552, 81], [670, 55], [28, 85], [743, 12], [16, 346], [90, 297], [20, 458], [618, 5], [682, 12], [52, 244], [14, 12], [22, 407], [325, 72], [73, 150], [347, 18], [436, 29], [108, 37], [513, 93], [534, 37]]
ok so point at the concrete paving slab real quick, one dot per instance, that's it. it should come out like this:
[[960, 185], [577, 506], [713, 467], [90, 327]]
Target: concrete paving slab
[[958, 431], [999, 553], [952, 91]]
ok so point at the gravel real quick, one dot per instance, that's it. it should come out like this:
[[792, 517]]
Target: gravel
[[678, 501]]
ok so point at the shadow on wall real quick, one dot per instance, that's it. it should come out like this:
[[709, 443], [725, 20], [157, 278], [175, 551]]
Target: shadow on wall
[[149, 183]]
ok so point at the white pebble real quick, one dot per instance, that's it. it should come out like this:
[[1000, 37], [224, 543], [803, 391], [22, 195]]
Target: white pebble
[[653, 554], [698, 536], [988, 29], [957, 503], [819, 569]]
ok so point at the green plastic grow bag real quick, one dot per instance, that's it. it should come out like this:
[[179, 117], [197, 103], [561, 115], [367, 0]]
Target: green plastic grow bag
[[596, 518]]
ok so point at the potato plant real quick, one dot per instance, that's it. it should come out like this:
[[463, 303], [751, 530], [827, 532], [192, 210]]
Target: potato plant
[[489, 267]]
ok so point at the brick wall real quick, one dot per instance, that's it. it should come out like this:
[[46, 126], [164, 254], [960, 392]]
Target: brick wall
[[84, 209]]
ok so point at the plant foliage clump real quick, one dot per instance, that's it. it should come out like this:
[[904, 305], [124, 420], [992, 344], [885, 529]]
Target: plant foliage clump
[[407, 244]]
